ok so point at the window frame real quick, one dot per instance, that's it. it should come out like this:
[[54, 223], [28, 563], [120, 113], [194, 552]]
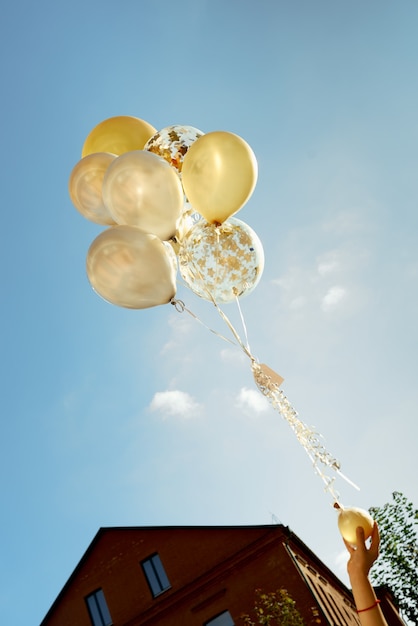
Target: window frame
[[157, 579], [101, 615]]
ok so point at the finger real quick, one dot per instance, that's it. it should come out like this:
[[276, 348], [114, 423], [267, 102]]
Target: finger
[[374, 547], [375, 534], [360, 537]]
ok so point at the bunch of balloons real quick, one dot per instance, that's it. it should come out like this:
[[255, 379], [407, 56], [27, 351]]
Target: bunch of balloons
[[167, 199]]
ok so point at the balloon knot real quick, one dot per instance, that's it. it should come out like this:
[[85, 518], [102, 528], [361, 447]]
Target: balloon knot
[[178, 304]]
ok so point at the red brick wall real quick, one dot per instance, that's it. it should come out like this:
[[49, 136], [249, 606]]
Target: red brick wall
[[210, 570]]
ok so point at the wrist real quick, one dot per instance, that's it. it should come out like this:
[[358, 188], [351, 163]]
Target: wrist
[[358, 576], [369, 608]]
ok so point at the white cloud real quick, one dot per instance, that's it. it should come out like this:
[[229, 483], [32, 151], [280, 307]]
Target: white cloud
[[252, 401], [175, 403], [305, 287], [334, 296]]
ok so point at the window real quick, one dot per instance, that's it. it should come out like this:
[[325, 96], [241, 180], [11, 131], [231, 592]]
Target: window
[[99, 613], [155, 575], [224, 619]]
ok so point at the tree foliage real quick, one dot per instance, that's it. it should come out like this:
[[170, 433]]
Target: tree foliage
[[397, 566], [275, 608]]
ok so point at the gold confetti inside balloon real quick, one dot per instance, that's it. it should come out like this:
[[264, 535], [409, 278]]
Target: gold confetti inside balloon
[[349, 519], [118, 135], [85, 187], [172, 143], [221, 262], [141, 189], [219, 175], [132, 269]]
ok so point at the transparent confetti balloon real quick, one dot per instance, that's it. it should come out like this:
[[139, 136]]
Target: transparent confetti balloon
[[221, 262], [172, 143]]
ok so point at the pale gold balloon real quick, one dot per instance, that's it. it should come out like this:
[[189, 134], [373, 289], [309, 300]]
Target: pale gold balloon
[[349, 519], [132, 269], [222, 262], [118, 135], [219, 174], [85, 187], [141, 189]]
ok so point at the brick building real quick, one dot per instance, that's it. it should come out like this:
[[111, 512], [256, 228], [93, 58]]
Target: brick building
[[199, 576]]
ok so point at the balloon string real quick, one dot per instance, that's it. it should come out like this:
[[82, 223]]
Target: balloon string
[[233, 331], [307, 437], [347, 480], [244, 326], [211, 297], [180, 307]]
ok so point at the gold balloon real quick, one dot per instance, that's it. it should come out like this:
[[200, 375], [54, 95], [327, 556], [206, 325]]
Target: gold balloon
[[219, 174], [221, 262], [141, 189], [118, 135], [132, 269], [85, 187], [349, 519]]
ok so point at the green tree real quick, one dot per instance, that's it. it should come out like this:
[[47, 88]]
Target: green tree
[[275, 608], [397, 566]]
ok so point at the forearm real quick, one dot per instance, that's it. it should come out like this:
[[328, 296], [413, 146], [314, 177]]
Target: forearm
[[365, 598]]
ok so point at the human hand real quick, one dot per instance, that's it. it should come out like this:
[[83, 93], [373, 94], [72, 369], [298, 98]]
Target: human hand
[[362, 556]]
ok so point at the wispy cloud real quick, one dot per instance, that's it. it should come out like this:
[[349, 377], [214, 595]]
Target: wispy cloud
[[182, 326], [348, 222], [308, 287], [329, 282], [329, 263], [175, 403]]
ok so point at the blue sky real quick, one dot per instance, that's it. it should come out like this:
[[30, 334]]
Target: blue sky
[[117, 417]]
